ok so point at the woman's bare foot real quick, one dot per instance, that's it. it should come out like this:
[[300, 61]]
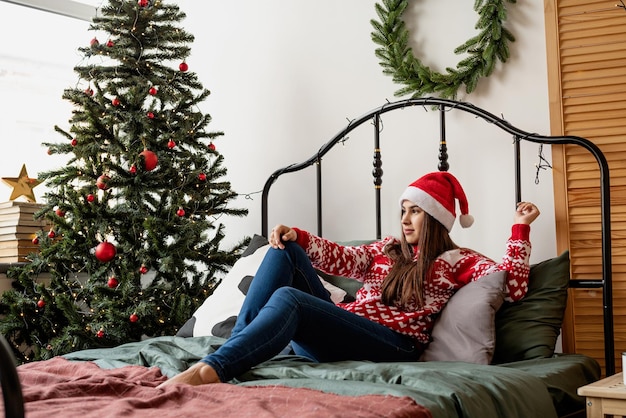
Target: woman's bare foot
[[198, 374]]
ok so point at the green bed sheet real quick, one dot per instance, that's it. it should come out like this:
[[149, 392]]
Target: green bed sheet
[[533, 388]]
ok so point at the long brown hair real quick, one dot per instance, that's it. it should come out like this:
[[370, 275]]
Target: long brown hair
[[404, 285]]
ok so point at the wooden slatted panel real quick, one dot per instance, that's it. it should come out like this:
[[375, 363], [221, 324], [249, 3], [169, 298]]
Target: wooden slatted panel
[[586, 44]]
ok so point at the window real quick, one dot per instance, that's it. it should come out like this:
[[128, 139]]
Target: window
[[34, 71], [79, 9]]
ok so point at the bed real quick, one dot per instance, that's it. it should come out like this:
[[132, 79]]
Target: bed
[[511, 370]]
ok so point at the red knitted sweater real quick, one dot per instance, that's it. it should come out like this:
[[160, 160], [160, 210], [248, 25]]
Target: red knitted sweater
[[452, 270]]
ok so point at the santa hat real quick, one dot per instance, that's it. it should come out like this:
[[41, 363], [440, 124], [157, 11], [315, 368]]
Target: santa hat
[[435, 193]]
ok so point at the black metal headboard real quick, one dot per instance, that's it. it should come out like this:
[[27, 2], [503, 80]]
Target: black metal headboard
[[10, 382], [519, 135]]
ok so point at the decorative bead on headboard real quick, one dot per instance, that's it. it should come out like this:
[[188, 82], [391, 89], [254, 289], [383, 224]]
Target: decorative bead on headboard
[[377, 172], [443, 147]]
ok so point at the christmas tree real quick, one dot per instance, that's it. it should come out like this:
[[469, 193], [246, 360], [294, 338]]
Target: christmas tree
[[134, 245]]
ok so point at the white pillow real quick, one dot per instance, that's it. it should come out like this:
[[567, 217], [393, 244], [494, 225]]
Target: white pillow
[[217, 315]]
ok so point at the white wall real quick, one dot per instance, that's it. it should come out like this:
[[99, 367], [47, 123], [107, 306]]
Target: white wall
[[286, 75]]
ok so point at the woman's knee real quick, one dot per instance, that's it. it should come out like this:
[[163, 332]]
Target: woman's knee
[[287, 292], [294, 250], [286, 297], [292, 253]]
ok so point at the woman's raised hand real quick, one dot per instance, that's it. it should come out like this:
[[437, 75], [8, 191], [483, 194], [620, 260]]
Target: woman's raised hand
[[280, 234], [526, 213]]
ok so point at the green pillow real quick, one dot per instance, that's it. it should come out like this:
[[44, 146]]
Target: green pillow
[[529, 328]]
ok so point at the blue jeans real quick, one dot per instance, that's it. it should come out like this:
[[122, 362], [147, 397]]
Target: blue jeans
[[287, 303]]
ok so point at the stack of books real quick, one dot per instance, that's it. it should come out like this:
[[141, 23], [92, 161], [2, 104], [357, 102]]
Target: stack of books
[[18, 228]]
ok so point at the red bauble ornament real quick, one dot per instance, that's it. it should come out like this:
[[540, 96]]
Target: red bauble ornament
[[89, 91], [41, 303], [90, 198], [150, 115], [150, 159], [112, 282], [183, 66], [143, 269], [110, 43], [36, 241], [211, 146], [180, 212], [49, 151], [94, 42], [115, 102], [51, 234], [133, 169], [102, 181], [60, 212], [202, 177], [133, 318], [74, 142], [142, 3], [153, 91], [171, 144], [100, 333], [105, 252]]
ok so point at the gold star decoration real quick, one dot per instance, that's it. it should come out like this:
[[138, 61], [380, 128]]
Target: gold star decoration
[[22, 185]]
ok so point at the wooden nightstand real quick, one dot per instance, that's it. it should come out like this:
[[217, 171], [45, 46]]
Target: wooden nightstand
[[605, 397]]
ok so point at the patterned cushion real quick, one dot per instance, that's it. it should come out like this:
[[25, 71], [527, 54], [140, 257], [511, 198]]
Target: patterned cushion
[[217, 315]]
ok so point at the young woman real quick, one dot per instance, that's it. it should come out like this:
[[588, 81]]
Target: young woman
[[406, 283]]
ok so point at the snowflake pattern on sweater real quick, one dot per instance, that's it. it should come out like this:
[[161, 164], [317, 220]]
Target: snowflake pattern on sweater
[[452, 270]]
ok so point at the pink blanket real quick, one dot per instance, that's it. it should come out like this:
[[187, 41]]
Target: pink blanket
[[60, 388]]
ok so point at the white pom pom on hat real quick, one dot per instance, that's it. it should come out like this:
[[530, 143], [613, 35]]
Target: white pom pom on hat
[[466, 220], [436, 193]]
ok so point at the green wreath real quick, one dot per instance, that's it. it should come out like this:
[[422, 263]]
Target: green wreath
[[398, 61]]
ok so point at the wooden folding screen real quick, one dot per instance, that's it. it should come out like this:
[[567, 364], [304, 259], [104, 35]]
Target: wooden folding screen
[[586, 50]]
